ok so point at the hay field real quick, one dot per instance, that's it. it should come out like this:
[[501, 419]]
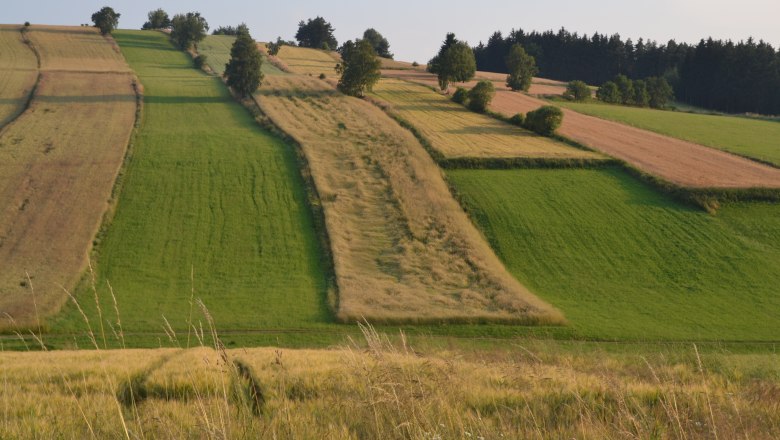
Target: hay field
[[403, 249], [307, 61], [217, 50], [18, 73], [76, 49], [60, 161], [625, 262], [539, 86], [209, 202], [389, 391], [754, 138], [457, 132]]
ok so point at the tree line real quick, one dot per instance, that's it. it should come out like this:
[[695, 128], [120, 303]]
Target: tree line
[[716, 74]]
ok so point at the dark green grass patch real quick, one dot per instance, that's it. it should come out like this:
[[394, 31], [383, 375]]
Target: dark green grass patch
[[207, 193], [758, 139], [625, 262]]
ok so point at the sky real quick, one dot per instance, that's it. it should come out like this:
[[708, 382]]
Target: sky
[[416, 29]]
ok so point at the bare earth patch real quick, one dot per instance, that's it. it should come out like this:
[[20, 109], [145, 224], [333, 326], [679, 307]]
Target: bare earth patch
[[684, 163], [403, 249]]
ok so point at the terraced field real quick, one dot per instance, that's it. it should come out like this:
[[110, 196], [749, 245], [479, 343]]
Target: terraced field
[[747, 137], [208, 195], [306, 61], [457, 132], [403, 249], [216, 48], [76, 49], [18, 73], [58, 164], [624, 262]]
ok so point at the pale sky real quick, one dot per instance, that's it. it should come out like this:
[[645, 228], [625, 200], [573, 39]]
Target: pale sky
[[415, 29]]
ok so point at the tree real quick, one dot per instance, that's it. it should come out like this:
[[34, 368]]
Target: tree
[[243, 72], [106, 20], [544, 120], [316, 34], [158, 19], [274, 48], [481, 95], [626, 87], [188, 30], [359, 68], [454, 63], [659, 92], [522, 68], [609, 93], [378, 42], [231, 30], [641, 97], [577, 91]]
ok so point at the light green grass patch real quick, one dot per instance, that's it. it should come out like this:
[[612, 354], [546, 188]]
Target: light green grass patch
[[624, 262], [216, 48], [208, 191], [744, 136]]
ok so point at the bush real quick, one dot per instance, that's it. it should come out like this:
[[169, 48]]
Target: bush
[[26, 24], [518, 119], [415, 64], [544, 120], [199, 61], [577, 91], [609, 93], [461, 95], [481, 95]]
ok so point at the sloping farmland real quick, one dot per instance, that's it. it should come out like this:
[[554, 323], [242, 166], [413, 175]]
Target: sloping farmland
[[457, 132], [403, 249], [18, 73], [681, 162], [216, 48], [307, 61], [80, 49]]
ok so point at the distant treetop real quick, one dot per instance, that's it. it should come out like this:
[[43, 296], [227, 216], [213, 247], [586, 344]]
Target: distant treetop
[[188, 30], [158, 19], [317, 34], [106, 20], [378, 42], [231, 30]]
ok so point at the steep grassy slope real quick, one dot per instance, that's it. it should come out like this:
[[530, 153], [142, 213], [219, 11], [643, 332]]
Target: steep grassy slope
[[456, 132], [748, 137], [206, 191], [18, 72], [624, 262], [217, 50]]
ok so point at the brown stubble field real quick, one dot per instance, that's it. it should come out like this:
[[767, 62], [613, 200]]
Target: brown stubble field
[[403, 249], [58, 164], [680, 162], [18, 73]]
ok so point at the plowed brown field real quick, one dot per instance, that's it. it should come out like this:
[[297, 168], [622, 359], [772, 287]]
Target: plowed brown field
[[683, 163], [403, 249], [58, 164]]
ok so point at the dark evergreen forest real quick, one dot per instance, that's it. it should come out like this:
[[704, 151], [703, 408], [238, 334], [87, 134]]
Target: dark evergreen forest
[[720, 75]]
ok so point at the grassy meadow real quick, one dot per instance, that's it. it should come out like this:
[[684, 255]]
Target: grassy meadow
[[744, 136], [216, 48], [211, 207], [625, 262], [457, 132]]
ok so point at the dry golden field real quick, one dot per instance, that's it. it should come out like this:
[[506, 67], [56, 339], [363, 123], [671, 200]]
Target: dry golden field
[[18, 73], [380, 389], [403, 248], [76, 49], [307, 61], [457, 132], [58, 164]]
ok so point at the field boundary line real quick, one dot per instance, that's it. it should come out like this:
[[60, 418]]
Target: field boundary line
[[31, 96]]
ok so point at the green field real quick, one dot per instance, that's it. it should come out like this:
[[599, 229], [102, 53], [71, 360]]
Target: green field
[[744, 136], [624, 262], [216, 48], [208, 191]]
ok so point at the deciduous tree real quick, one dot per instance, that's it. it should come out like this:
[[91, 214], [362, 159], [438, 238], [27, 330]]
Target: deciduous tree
[[359, 68], [106, 20], [316, 33], [454, 63], [378, 42], [522, 68], [189, 30], [158, 19], [481, 95]]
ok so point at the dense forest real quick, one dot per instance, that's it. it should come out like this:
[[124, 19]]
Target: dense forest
[[721, 75]]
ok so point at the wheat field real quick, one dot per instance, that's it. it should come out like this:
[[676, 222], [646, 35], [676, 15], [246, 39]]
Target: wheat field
[[403, 249]]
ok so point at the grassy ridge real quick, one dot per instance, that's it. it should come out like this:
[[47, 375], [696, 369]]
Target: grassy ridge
[[206, 190], [747, 137], [624, 262]]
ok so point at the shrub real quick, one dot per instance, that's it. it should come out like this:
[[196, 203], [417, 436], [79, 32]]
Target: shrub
[[641, 97], [199, 61], [481, 95], [518, 119], [415, 64], [322, 76], [659, 92], [609, 93], [577, 91], [461, 95], [544, 120], [626, 87], [26, 24]]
